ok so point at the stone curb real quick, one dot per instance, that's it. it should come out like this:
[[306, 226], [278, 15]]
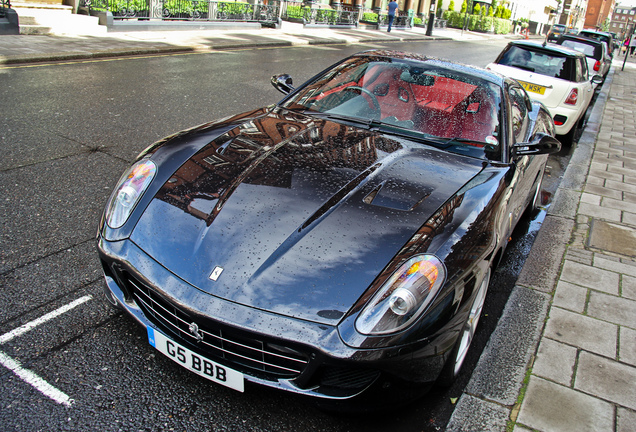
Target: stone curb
[[495, 386], [70, 55]]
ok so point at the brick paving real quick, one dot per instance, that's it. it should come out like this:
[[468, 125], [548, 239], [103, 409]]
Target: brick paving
[[585, 368], [563, 356]]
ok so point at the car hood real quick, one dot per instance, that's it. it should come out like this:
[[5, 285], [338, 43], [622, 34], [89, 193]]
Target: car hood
[[296, 215]]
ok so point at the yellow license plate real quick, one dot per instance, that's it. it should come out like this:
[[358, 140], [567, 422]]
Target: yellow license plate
[[534, 88]]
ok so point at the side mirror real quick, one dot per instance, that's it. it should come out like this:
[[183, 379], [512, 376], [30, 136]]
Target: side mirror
[[283, 83], [597, 79], [540, 144]]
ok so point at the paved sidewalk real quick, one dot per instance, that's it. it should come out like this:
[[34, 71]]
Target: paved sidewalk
[[572, 315], [39, 48]]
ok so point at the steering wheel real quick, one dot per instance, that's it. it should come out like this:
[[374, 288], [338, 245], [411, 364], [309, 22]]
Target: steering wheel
[[374, 100]]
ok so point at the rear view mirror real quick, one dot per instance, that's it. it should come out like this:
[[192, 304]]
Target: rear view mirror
[[283, 83], [540, 144], [597, 79]]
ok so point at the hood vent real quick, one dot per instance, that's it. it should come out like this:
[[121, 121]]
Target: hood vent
[[396, 196]]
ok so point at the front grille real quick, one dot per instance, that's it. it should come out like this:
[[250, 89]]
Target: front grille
[[237, 349], [345, 378]]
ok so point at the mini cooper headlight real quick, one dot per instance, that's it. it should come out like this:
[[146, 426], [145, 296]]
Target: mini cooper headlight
[[403, 298], [129, 189]]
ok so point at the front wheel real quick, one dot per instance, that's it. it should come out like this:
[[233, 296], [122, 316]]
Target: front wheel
[[458, 354], [569, 138], [535, 203]]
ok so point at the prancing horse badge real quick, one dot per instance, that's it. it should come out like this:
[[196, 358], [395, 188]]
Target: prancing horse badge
[[216, 273]]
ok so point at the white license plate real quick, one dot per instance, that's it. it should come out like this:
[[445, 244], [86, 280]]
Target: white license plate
[[194, 362]]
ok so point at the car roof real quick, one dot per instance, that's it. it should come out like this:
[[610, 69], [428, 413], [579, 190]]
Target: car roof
[[582, 39], [542, 46], [479, 72], [598, 32]]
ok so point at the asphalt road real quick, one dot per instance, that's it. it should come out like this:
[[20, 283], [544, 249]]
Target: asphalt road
[[67, 132]]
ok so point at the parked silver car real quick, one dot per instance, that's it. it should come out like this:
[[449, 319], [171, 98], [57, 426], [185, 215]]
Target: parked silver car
[[599, 60]]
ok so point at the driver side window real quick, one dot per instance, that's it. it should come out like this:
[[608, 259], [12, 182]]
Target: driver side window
[[519, 103]]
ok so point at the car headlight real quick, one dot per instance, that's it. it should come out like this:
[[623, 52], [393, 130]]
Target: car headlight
[[404, 297], [129, 189]]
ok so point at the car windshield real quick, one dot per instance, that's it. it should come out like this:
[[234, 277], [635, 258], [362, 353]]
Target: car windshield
[[541, 62], [422, 101], [592, 51]]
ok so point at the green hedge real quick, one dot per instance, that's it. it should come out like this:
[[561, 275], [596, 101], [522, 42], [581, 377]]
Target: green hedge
[[304, 12], [233, 8], [478, 23], [369, 17], [297, 12], [180, 7], [502, 26], [328, 15], [174, 6]]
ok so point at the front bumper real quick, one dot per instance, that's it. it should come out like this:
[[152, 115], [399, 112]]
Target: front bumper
[[315, 362]]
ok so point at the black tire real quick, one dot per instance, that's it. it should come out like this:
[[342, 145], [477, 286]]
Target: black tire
[[456, 359], [535, 202], [568, 138]]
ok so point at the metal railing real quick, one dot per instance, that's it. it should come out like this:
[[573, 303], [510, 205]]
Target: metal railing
[[401, 21], [369, 16], [314, 14], [204, 10], [208, 10]]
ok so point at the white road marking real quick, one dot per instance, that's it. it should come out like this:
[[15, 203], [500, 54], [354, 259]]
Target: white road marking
[[31, 378], [28, 376], [44, 318]]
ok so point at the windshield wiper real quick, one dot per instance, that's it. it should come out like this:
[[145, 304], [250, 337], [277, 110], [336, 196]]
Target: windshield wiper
[[464, 140], [357, 120]]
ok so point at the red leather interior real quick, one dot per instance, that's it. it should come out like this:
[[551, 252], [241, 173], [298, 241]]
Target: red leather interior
[[447, 108]]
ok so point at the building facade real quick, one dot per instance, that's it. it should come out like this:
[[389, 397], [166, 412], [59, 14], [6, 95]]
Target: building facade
[[573, 13], [597, 12], [541, 13], [621, 19]]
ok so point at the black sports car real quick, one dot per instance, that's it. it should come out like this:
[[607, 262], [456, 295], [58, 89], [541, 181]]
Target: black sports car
[[337, 244]]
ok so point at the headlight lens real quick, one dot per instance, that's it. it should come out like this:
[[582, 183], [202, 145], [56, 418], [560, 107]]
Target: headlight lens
[[403, 298], [129, 189]]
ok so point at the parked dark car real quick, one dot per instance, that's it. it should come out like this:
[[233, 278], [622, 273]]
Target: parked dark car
[[596, 51], [556, 31], [606, 37], [338, 244]]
